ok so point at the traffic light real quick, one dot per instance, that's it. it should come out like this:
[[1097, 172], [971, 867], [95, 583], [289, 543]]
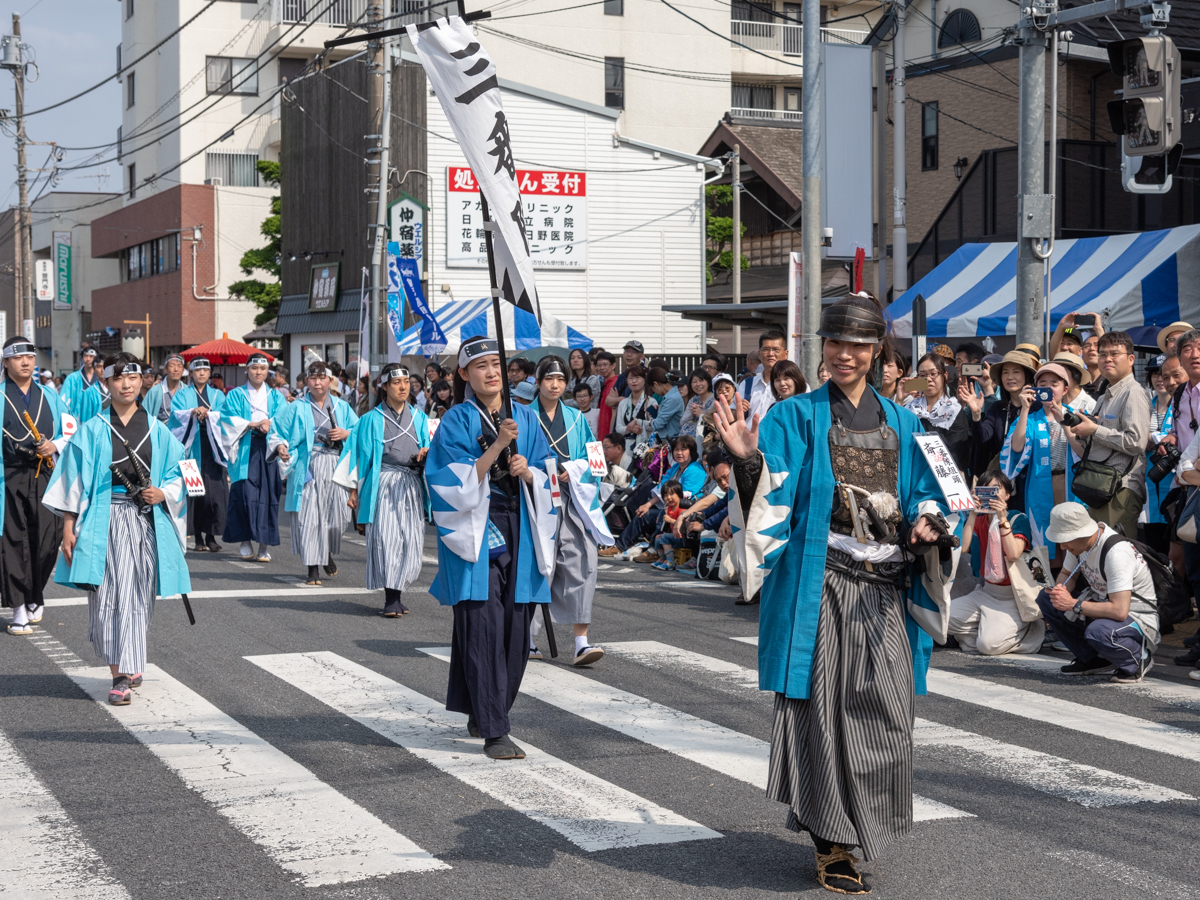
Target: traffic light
[[1147, 116]]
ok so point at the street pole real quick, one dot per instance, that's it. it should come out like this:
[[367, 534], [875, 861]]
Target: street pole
[[810, 200], [899, 176], [881, 281], [378, 116], [736, 183], [25, 265], [1031, 164]]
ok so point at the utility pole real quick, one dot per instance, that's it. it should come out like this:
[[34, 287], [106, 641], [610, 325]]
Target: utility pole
[[899, 176], [14, 61], [881, 281], [1031, 165], [810, 200], [736, 183], [378, 118]]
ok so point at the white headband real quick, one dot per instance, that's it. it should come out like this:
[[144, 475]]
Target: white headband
[[393, 375], [477, 350], [23, 349], [126, 369], [257, 359], [328, 373], [199, 363]]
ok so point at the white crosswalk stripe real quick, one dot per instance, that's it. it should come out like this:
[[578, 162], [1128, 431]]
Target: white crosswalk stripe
[[591, 813], [1183, 695], [705, 743], [1083, 784], [44, 856]]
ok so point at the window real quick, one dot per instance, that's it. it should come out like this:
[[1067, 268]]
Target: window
[[289, 68], [614, 82], [118, 59], [231, 169], [130, 91], [742, 11], [227, 75], [753, 96], [960, 27], [929, 136], [119, 143], [614, 7], [128, 9], [132, 169], [155, 257]]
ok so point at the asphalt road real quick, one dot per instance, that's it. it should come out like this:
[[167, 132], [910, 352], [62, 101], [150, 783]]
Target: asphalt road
[[293, 744]]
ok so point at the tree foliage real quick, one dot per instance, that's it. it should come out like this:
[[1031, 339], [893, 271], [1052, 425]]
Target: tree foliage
[[720, 231], [264, 294]]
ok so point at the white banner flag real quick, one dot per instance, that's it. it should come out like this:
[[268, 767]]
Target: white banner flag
[[464, 78]]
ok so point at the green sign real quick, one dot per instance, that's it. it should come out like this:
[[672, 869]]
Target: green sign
[[62, 269]]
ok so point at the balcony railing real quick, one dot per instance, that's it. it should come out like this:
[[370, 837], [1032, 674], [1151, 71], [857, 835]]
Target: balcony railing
[[743, 112], [341, 12], [773, 37]]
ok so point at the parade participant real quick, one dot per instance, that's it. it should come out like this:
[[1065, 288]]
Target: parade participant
[[94, 398], [123, 548], [581, 526], [196, 423], [79, 381], [847, 613], [249, 411], [158, 401], [381, 467], [310, 436], [32, 436], [496, 526]]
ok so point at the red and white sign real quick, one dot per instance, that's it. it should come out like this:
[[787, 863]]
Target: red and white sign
[[69, 425], [555, 490], [554, 206], [945, 470], [191, 477], [595, 452]]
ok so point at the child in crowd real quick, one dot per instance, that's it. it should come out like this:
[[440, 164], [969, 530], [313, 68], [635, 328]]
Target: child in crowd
[[666, 542], [584, 400]]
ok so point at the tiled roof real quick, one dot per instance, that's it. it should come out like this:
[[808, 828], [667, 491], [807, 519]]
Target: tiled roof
[[771, 151]]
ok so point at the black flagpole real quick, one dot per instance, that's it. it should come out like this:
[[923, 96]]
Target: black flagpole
[[488, 227]]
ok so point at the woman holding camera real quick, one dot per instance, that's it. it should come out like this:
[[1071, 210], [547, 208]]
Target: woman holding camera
[[990, 429], [940, 411], [1158, 530]]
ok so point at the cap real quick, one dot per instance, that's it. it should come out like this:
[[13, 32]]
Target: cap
[[1017, 358], [724, 376], [1070, 522], [634, 345], [944, 351], [525, 391], [1055, 369], [1076, 364], [1155, 363], [853, 319], [1173, 328]]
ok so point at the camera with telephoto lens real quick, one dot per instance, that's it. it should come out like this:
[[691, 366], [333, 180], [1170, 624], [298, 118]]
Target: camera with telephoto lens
[[1071, 419], [1165, 464]]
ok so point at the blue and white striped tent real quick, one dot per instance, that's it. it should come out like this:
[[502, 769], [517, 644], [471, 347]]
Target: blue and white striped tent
[[1134, 280], [465, 318]]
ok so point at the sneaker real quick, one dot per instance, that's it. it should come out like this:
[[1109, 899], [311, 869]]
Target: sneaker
[[535, 653], [1097, 666], [1194, 674], [608, 552], [662, 566], [1135, 677], [21, 630], [646, 556], [689, 566], [1060, 647], [588, 655], [246, 551], [1191, 658]]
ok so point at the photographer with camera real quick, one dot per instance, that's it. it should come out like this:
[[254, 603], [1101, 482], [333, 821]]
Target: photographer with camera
[[1162, 456]]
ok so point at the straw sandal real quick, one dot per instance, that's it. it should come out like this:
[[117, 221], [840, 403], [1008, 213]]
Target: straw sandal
[[848, 880]]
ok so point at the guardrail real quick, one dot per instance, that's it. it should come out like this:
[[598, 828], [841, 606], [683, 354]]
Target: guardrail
[[788, 40], [341, 12], [741, 112]]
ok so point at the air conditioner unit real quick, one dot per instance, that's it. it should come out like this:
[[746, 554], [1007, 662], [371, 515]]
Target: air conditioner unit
[[215, 182]]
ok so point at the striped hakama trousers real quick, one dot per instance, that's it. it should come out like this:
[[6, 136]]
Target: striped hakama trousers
[[119, 612], [396, 538], [324, 512], [573, 585], [842, 760]]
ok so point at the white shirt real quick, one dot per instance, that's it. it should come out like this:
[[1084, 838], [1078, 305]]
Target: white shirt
[[1124, 570], [592, 417], [761, 396], [258, 401]]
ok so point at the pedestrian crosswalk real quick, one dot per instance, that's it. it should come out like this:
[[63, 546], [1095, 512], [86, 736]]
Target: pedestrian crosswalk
[[316, 835]]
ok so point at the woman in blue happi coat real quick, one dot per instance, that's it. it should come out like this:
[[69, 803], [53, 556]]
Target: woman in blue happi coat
[[196, 421], [31, 533], [122, 542], [496, 525], [91, 401], [581, 525], [836, 513], [309, 437], [381, 467]]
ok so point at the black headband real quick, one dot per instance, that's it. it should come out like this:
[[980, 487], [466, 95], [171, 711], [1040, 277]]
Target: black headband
[[20, 349], [125, 369]]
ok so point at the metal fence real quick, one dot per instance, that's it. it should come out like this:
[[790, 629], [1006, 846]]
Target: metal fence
[[774, 37]]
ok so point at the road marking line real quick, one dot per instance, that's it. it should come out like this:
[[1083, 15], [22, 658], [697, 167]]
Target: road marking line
[[1114, 726], [702, 742], [591, 813], [245, 565], [1138, 882], [302, 823], [246, 593], [1082, 784], [45, 856], [752, 641]]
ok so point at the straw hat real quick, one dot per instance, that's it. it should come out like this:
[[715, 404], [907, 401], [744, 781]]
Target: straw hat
[[1017, 358], [1034, 351], [1173, 328], [1073, 362]]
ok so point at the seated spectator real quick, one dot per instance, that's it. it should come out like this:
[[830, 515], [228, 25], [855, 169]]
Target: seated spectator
[[987, 620], [689, 472], [787, 380], [1108, 620], [713, 507], [583, 402], [618, 461], [670, 407], [635, 414], [666, 540], [723, 388], [940, 411], [701, 402]]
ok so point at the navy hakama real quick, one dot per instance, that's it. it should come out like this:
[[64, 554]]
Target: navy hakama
[[253, 513]]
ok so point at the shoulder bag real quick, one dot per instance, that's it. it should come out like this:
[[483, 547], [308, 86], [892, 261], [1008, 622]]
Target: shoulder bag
[[1097, 483]]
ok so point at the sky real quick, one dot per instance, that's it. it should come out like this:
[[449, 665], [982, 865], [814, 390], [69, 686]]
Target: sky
[[74, 44]]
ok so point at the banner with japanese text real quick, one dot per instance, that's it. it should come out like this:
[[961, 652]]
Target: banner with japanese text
[[463, 77], [404, 278]]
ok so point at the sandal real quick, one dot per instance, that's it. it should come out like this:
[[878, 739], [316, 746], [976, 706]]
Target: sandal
[[20, 630], [314, 576], [836, 872], [135, 680], [331, 568], [120, 694]]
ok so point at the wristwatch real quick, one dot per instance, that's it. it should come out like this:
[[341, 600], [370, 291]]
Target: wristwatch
[[1078, 608]]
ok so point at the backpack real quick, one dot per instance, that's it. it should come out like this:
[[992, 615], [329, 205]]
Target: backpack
[[1172, 593]]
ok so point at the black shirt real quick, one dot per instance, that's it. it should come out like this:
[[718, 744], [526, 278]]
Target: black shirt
[[556, 432], [865, 417], [136, 433], [18, 440]]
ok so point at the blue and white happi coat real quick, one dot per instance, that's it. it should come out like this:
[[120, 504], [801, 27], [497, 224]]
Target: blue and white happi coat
[[783, 539], [82, 484], [237, 416], [461, 500], [1034, 460], [296, 428], [361, 461], [57, 411], [185, 426], [586, 488], [73, 389]]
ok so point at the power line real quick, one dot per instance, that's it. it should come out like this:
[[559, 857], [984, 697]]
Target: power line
[[728, 38], [124, 69]]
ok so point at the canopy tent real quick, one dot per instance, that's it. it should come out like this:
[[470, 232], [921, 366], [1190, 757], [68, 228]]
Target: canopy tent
[[466, 318], [1136, 281]]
